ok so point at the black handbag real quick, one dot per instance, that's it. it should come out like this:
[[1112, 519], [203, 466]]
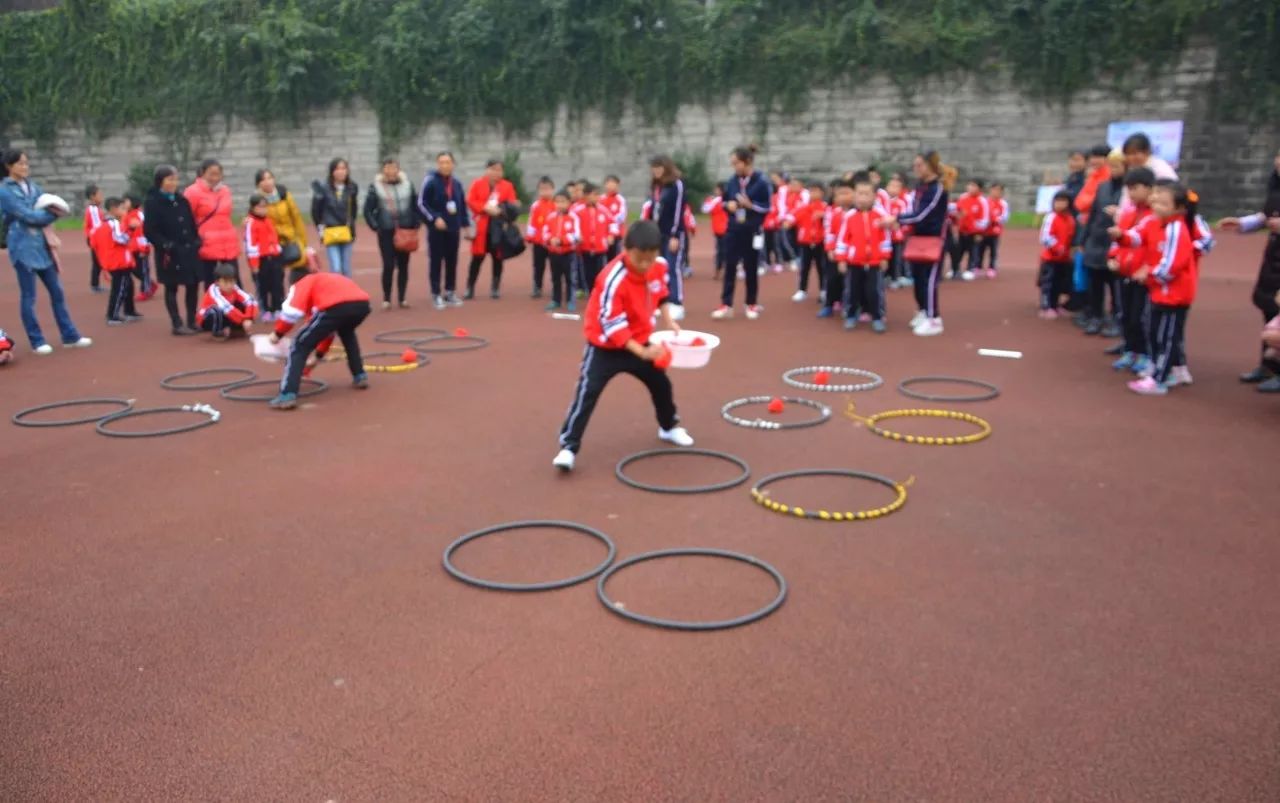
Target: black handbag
[[290, 253], [511, 243]]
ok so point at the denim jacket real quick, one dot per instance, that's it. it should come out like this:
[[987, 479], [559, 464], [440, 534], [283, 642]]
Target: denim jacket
[[27, 246]]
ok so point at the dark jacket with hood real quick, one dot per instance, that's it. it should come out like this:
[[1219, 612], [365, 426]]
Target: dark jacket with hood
[[1095, 240], [327, 209]]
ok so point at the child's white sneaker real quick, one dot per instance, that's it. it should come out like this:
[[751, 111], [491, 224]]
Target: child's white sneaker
[[678, 436], [929, 327], [753, 311], [918, 319], [564, 460], [799, 296]]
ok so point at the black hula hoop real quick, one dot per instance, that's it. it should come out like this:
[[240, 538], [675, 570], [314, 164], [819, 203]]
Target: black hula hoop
[[168, 382], [470, 343], [519, 525], [211, 418], [408, 337], [677, 624], [126, 404], [991, 390], [232, 391], [761, 497], [396, 368], [693, 489], [824, 413]]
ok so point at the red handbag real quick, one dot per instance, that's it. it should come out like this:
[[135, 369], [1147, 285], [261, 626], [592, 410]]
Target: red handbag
[[922, 249]]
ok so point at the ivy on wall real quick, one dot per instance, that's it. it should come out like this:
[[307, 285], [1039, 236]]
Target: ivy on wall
[[176, 64]]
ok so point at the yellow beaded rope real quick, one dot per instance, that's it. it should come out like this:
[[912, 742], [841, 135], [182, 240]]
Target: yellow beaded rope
[[761, 497], [927, 440]]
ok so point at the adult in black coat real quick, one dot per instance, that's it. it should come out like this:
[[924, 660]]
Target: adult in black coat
[[1095, 239], [170, 227]]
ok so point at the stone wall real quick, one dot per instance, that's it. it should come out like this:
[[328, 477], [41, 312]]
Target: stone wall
[[984, 127]]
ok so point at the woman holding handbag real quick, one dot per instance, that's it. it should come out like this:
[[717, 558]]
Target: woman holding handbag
[[283, 212], [210, 202], [391, 213], [334, 207], [923, 253]]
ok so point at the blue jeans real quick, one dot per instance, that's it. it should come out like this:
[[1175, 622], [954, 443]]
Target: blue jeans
[[339, 258], [27, 288]]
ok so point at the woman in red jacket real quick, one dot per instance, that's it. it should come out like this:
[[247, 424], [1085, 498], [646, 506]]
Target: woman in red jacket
[[210, 201], [485, 200]]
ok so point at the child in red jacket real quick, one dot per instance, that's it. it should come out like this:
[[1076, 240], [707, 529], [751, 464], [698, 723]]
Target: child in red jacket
[[225, 307], [618, 323], [262, 246], [713, 206], [864, 247], [594, 225], [989, 252], [139, 247], [974, 211], [110, 243], [6, 347], [92, 221], [809, 219], [560, 235], [538, 213], [1056, 234], [898, 204], [615, 203], [832, 297], [1169, 272], [1125, 259], [336, 306]]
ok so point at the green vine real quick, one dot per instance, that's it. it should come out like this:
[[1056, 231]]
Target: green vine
[[178, 64]]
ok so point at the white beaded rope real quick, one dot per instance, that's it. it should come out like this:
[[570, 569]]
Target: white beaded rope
[[875, 380], [824, 413]]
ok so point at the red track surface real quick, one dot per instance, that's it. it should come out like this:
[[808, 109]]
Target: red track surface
[[1082, 607]]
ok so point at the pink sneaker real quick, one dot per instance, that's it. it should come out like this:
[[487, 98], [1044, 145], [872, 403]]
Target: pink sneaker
[[1148, 386], [837, 307], [1049, 314], [864, 317], [777, 269], [991, 273]]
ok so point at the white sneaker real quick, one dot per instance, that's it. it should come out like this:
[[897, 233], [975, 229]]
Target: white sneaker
[[929, 327], [753, 311], [564, 460], [44, 349], [919, 319], [762, 270], [795, 266], [677, 312], [721, 312], [678, 436], [82, 343], [967, 276], [799, 296]]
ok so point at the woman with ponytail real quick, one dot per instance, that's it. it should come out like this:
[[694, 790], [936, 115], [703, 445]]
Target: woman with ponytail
[[1267, 375], [746, 199], [928, 220]]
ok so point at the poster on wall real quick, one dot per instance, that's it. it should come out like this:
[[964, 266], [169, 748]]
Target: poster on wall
[[1044, 198], [1165, 136]]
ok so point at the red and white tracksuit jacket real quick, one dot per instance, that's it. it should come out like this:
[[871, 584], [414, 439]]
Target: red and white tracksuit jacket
[[999, 216], [595, 227], [1056, 233], [622, 303], [562, 228], [809, 223], [316, 292], [1129, 257], [714, 206], [138, 244], [1169, 256], [538, 214], [110, 243], [975, 214], [861, 243], [236, 307], [260, 240], [616, 205]]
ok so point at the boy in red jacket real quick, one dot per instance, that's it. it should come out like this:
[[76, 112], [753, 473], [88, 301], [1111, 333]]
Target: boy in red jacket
[[1125, 259], [92, 221], [616, 205], [809, 236], [336, 306], [225, 305], [262, 247], [989, 252], [617, 324], [1056, 234], [560, 234], [139, 247], [538, 213], [864, 247], [110, 243], [713, 206], [833, 225], [898, 204], [594, 225], [974, 212]]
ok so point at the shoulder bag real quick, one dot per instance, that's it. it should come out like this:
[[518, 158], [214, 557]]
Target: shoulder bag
[[403, 240]]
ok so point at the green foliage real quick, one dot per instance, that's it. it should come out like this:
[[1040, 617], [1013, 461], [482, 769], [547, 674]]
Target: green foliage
[[179, 64], [698, 182], [141, 177], [512, 172]]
